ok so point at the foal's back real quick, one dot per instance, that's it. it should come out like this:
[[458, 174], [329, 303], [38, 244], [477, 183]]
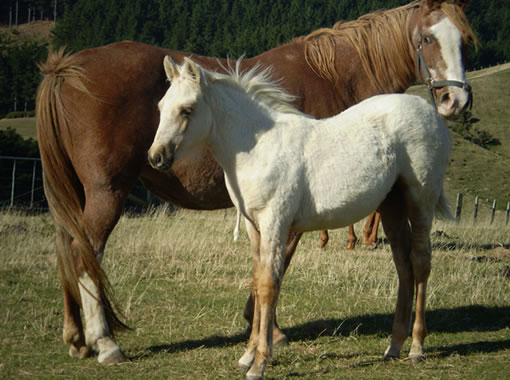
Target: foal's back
[[352, 160]]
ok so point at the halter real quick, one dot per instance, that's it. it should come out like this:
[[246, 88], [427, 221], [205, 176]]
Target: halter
[[431, 83]]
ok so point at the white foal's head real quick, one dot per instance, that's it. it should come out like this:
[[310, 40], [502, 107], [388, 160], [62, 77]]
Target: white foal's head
[[185, 118]]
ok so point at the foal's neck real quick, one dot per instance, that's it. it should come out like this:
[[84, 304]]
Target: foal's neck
[[239, 121]]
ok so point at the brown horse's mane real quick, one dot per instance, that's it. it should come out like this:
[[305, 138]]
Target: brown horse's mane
[[382, 42]]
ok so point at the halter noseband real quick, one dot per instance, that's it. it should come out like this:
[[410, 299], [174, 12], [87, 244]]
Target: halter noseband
[[431, 83]]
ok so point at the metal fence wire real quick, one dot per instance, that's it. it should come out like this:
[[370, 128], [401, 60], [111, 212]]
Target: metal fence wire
[[21, 184]]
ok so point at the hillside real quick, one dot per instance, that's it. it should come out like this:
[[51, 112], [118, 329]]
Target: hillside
[[474, 170], [39, 31]]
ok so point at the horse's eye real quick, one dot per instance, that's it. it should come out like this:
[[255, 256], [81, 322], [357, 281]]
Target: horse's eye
[[186, 112], [428, 39]]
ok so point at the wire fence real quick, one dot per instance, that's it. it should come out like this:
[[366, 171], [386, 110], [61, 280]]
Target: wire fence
[[21, 187], [21, 183]]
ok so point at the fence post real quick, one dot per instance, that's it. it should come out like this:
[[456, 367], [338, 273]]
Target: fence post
[[493, 211], [507, 213], [476, 210], [12, 183], [33, 185], [459, 207]]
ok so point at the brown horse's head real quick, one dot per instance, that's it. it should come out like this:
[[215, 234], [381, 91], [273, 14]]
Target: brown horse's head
[[441, 37]]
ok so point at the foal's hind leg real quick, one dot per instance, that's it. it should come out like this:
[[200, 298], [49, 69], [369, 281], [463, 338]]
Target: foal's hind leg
[[421, 252], [396, 227]]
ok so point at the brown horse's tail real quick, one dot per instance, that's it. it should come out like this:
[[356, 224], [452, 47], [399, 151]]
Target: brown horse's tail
[[62, 187]]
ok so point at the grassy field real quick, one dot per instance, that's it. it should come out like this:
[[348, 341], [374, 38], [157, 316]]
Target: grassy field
[[24, 126], [182, 283]]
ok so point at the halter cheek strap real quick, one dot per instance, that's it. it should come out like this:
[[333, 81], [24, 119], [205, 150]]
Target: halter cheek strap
[[431, 83]]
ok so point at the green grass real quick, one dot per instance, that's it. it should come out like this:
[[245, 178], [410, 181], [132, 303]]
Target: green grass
[[182, 284]]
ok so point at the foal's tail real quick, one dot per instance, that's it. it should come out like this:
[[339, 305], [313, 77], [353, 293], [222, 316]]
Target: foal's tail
[[62, 187], [443, 210]]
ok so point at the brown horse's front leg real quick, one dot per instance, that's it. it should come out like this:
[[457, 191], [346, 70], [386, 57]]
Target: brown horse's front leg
[[279, 337], [324, 239], [351, 240]]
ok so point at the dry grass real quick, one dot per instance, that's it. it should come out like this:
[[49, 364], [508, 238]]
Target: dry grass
[[182, 283]]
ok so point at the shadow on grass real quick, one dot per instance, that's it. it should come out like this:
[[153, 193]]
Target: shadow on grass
[[463, 319]]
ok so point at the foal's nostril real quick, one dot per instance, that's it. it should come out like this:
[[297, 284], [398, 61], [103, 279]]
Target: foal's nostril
[[158, 160]]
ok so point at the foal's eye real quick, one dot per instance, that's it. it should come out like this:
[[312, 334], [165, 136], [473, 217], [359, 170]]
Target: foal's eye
[[186, 112]]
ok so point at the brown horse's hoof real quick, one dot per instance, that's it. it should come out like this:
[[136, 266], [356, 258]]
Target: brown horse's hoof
[[79, 353]]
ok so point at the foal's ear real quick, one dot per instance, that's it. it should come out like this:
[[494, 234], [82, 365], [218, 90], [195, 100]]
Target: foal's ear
[[191, 69], [170, 68]]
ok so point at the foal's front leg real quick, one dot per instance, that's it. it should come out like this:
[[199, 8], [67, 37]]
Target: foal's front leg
[[267, 272]]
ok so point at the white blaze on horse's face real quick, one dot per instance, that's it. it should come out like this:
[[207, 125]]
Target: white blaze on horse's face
[[452, 100], [184, 120]]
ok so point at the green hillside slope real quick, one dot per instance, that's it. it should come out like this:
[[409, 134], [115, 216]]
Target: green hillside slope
[[474, 170]]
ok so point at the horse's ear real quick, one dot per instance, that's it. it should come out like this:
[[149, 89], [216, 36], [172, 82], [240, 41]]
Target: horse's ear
[[191, 69], [170, 68], [463, 4], [430, 5]]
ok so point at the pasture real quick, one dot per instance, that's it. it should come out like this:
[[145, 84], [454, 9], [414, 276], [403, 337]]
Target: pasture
[[181, 284]]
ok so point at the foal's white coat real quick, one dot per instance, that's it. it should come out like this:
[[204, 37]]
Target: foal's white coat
[[286, 171]]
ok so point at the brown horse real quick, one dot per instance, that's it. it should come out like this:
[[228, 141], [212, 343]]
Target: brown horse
[[97, 115]]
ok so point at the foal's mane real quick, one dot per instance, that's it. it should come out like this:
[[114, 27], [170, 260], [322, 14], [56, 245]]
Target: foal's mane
[[382, 41], [258, 84]]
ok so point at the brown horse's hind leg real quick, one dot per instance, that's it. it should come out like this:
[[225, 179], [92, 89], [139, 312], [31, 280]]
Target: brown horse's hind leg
[[396, 227], [101, 213], [279, 337], [370, 230], [73, 333]]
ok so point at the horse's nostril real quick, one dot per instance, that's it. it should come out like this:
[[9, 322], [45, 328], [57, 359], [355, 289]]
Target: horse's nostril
[[156, 160], [445, 98], [159, 159]]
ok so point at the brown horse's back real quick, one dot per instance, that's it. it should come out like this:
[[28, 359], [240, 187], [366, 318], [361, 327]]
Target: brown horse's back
[[118, 122]]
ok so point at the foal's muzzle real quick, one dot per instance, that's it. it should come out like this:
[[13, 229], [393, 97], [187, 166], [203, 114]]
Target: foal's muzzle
[[161, 157]]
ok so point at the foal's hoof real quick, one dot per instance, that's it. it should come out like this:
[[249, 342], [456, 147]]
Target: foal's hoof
[[254, 377], [243, 368], [418, 358], [280, 339], [391, 354]]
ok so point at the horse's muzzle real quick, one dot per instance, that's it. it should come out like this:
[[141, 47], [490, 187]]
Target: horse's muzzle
[[161, 157], [452, 101]]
